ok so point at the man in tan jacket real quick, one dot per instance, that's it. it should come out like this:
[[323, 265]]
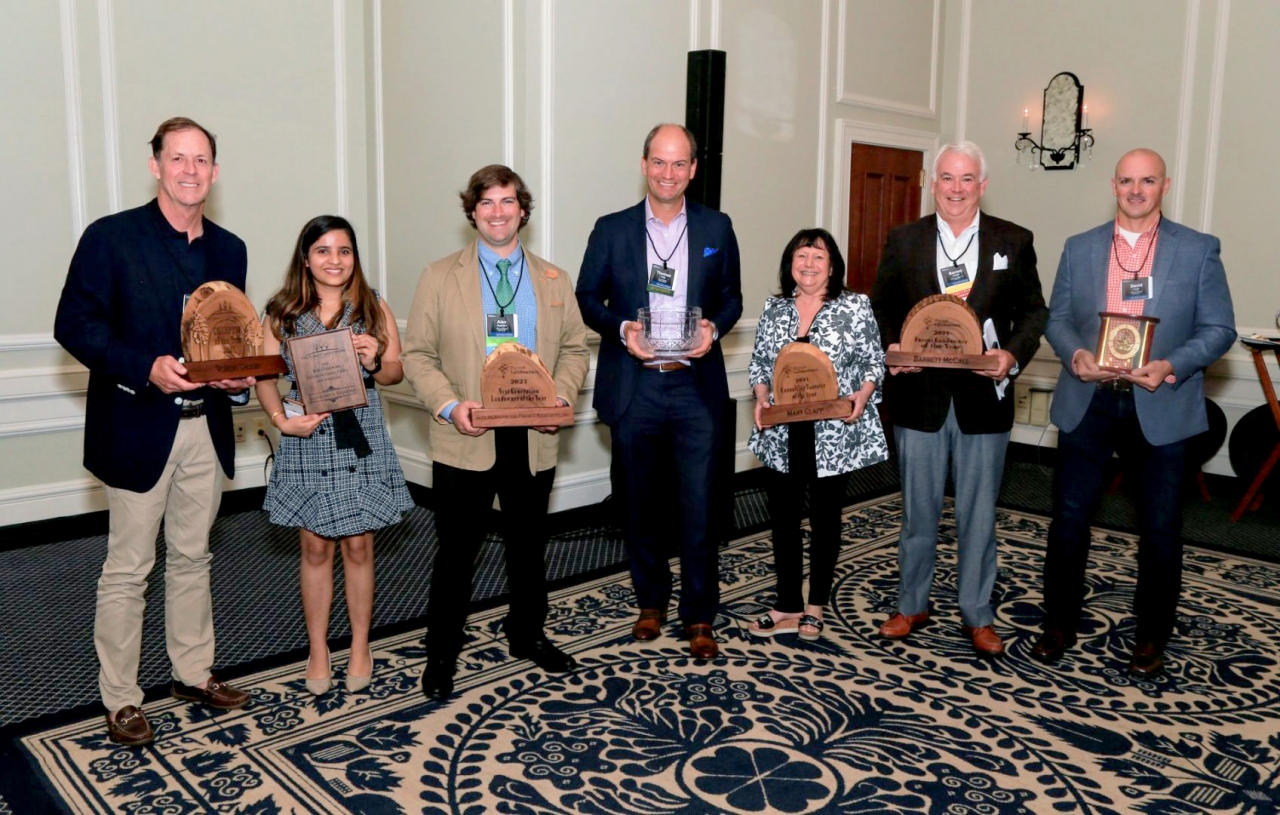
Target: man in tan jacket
[[466, 305]]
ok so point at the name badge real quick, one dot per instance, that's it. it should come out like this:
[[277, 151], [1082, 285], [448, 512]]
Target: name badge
[[1138, 288], [956, 279], [500, 328], [662, 280]]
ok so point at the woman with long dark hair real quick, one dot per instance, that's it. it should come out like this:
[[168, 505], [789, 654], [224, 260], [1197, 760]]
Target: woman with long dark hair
[[336, 476]]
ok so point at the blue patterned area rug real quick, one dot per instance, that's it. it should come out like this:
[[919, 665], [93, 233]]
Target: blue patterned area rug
[[849, 724]]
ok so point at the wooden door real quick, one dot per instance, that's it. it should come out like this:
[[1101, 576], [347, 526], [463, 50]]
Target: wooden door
[[885, 185]]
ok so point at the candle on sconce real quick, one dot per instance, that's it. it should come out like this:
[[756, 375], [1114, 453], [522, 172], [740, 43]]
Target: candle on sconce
[[1085, 120], [1025, 128]]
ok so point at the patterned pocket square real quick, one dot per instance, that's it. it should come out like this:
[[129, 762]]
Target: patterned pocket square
[[709, 251]]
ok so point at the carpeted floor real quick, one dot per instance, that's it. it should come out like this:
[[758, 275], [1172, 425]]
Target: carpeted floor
[[849, 724]]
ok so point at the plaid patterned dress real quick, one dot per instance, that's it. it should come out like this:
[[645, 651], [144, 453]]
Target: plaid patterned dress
[[330, 491]]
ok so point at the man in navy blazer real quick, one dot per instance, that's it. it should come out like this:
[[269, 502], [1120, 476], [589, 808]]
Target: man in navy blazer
[[956, 422], [1139, 264], [663, 253], [153, 438]]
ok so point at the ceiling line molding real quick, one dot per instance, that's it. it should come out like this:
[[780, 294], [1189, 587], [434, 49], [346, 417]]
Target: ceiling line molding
[[547, 75], [340, 102], [1186, 94], [962, 86], [75, 124], [379, 150], [1218, 80], [849, 132], [509, 82], [693, 25], [110, 107], [875, 102], [824, 77]]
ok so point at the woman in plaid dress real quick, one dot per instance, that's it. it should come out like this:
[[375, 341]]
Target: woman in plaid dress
[[336, 476]]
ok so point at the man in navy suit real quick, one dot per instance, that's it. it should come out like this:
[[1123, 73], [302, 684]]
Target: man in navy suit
[[154, 438], [666, 252], [1138, 264], [956, 422]]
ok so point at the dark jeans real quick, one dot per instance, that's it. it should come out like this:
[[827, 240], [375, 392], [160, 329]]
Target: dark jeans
[[826, 501], [462, 499], [666, 443], [1154, 473]]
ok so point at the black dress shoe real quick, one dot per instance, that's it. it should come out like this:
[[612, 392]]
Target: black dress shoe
[[437, 679], [1147, 661], [544, 653], [1052, 645]]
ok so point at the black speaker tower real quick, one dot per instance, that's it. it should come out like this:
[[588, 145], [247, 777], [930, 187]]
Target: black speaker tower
[[704, 116]]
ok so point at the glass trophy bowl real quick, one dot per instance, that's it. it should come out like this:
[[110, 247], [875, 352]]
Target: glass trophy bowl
[[672, 333]]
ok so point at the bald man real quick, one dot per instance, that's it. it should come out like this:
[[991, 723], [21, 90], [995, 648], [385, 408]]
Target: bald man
[[1138, 264]]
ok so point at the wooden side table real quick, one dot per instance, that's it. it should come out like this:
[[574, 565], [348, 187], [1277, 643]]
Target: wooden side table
[[1258, 350]]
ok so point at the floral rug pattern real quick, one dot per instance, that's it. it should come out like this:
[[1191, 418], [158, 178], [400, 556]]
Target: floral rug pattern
[[850, 724]]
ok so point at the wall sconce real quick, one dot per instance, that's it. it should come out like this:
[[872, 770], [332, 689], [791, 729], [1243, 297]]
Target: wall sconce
[[1064, 130]]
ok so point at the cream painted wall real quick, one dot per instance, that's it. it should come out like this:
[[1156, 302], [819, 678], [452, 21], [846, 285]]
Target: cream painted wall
[[381, 109]]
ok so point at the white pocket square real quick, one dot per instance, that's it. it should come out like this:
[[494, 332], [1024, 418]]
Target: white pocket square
[[1000, 262]]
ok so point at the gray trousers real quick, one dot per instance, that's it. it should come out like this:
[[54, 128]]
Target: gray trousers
[[976, 464], [187, 497]]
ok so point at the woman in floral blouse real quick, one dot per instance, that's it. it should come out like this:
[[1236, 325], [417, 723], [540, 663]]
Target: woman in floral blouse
[[814, 307]]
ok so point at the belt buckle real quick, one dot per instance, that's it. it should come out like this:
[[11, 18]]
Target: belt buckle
[[1117, 385]]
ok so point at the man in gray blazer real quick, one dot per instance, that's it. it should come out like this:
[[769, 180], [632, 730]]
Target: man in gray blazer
[[1139, 264]]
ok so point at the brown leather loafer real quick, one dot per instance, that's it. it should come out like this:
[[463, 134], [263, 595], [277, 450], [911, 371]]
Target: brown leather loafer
[[900, 625], [1147, 661], [130, 728], [649, 625], [217, 695], [702, 641], [1052, 645], [985, 640]]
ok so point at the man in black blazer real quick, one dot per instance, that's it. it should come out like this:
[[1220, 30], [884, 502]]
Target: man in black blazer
[[956, 421], [664, 416], [153, 438]]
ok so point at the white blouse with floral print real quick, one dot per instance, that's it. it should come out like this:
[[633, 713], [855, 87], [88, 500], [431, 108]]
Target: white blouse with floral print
[[845, 330]]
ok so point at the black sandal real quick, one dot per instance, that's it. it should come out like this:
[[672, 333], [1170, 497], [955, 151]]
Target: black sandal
[[764, 626], [812, 622]]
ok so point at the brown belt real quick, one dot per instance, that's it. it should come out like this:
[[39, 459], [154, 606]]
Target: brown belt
[[666, 367]]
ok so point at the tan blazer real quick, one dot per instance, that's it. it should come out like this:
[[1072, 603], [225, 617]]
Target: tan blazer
[[444, 350]]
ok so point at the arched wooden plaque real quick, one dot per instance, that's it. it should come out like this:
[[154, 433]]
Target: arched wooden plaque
[[517, 390], [805, 388], [941, 331], [222, 337]]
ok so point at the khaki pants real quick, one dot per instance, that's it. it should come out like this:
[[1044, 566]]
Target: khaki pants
[[187, 498]]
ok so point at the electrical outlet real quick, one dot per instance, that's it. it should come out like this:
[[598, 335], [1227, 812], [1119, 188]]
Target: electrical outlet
[[239, 426], [258, 427]]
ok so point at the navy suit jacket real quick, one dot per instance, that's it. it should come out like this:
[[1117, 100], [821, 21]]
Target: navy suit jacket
[[1010, 297], [121, 307], [611, 289], [1197, 325]]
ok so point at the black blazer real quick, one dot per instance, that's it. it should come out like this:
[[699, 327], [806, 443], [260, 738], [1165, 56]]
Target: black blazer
[[1011, 297], [611, 289], [121, 307]]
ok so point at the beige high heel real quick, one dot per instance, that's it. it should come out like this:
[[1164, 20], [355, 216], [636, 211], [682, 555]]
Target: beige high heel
[[321, 686], [356, 684]]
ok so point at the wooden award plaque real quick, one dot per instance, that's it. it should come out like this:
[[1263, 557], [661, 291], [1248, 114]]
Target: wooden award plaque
[[804, 388], [327, 369], [517, 390], [941, 331], [1124, 341], [222, 337]]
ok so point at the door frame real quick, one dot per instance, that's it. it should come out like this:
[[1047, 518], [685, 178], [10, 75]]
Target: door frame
[[849, 132]]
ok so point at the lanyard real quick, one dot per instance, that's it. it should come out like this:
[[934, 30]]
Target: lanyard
[[955, 260], [1141, 265], [502, 307], [674, 249]]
